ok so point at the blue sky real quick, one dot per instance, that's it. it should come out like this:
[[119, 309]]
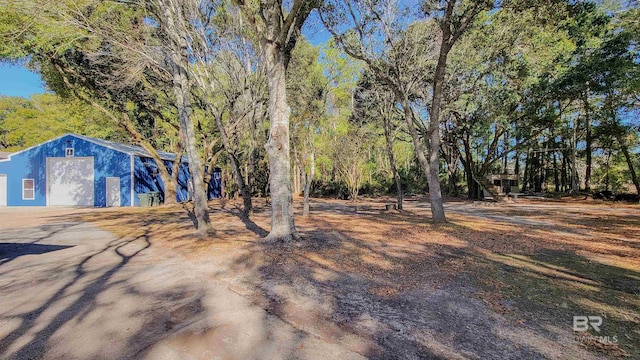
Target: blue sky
[[15, 80]]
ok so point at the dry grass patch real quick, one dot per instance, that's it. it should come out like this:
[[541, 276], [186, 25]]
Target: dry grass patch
[[586, 263]]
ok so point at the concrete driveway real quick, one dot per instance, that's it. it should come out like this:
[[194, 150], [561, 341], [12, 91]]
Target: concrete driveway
[[69, 290]]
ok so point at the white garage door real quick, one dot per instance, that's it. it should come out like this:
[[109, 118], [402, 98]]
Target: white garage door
[[70, 181], [3, 190]]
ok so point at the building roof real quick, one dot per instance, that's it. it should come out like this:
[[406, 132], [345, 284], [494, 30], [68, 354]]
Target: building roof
[[124, 148]]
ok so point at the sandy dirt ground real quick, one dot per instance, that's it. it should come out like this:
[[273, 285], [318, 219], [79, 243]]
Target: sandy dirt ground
[[497, 282], [69, 290]]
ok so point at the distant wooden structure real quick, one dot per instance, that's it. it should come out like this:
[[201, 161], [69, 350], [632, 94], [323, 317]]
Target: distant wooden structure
[[504, 184]]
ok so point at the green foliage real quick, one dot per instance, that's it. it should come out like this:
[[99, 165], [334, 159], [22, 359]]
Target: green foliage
[[97, 52], [522, 77], [612, 173], [27, 122]]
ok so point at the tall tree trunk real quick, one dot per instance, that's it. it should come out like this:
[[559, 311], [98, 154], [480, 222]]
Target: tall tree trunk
[[282, 223], [308, 180], [295, 170], [564, 174], [183, 103], [556, 177], [297, 179], [419, 146], [587, 175], [435, 194], [171, 186], [181, 89], [392, 161], [537, 179], [544, 159], [471, 183], [277, 31], [468, 164], [453, 179], [606, 179], [527, 170], [574, 162], [506, 154]]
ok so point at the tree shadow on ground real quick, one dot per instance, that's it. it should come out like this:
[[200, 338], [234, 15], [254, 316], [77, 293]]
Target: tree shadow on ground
[[169, 313], [60, 297], [550, 287], [483, 294], [11, 251], [248, 223], [390, 285], [423, 316], [84, 303]]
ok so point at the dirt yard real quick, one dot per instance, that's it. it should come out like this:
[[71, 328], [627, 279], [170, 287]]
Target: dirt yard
[[497, 282]]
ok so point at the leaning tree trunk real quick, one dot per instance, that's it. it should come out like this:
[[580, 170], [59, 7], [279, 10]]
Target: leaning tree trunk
[[282, 224], [181, 89], [183, 104], [627, 157], [124, 122], [417, 143], [435, 194], [170, 181], [243, 187], [170, 187]]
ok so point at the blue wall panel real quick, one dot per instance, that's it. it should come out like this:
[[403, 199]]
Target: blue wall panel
[[147, 179], [31, 163], [215, 185], [183, 182]]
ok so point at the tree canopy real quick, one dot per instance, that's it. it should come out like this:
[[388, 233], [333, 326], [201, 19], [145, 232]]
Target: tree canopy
[[406, 97]]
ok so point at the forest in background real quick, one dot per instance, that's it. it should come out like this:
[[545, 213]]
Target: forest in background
[[546, 90]]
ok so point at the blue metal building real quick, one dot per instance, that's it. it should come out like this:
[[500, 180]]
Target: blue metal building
[[76, 170]]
